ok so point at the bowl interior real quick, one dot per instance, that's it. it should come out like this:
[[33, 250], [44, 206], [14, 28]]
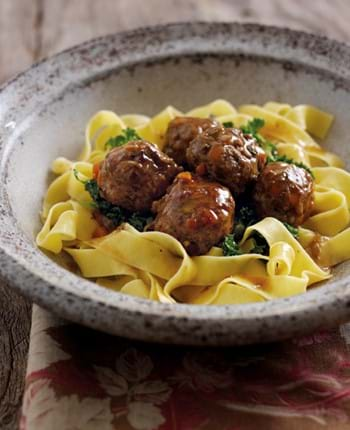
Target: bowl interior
[[186, 76]]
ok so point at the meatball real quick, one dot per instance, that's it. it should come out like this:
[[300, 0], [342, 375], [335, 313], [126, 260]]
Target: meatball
[[181, 131], [132, 176], [195, 211], [284, 191], [227, 156]]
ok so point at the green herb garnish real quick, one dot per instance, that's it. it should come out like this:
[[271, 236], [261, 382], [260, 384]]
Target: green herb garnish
[[253, 127], [230, 246], [92, 188], [139, 221], [127, 135], [260, 245], [245, 217], [270, 149], [228, 124], [294, 231]]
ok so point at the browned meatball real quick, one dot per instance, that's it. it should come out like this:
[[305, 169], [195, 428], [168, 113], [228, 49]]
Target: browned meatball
[[195, 211], [132, 176], [181, 131], [227, 156], [284, 191]]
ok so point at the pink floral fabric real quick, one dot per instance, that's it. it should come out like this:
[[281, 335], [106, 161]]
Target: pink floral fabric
[[79, 379]]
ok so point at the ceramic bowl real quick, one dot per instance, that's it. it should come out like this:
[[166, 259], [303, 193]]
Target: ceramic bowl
[[43, 113]]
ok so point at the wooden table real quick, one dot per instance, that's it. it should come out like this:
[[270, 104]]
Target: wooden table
[[32, 29]]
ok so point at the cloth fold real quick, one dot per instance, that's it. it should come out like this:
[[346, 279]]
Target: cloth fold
[[80, 379]]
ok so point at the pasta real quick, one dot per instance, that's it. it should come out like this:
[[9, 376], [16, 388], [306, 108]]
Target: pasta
[[156, 266]]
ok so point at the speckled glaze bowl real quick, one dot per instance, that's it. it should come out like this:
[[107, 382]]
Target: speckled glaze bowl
[[43, 113]]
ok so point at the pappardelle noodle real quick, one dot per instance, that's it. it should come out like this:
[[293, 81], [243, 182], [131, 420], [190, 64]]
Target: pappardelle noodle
[[268, 258]]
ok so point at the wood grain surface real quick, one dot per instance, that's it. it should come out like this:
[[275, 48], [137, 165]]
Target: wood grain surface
[[33, 29]]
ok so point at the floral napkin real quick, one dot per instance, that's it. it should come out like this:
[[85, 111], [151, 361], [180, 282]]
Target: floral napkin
[[80, 379]]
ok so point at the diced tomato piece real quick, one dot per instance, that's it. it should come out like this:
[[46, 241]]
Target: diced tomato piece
[[95, 170], [185, 176]]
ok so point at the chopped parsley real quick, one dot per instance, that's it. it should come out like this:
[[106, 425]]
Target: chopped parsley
[[90, 186], [260, 245], [139, 221], [292, 230], [230, 247], [228, 124], [114, 213], [270, 150], [253, 127], [127, 135], [244, 218]]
